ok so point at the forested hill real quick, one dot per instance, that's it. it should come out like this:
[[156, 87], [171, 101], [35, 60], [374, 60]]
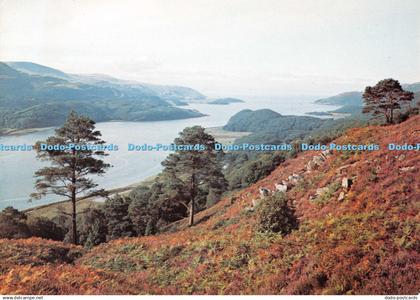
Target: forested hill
[[357, 233], [266, 120], [38, 96], [267, 126], [355, 98]]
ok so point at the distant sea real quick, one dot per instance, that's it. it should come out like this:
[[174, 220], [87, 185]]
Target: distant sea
[[17, 168]]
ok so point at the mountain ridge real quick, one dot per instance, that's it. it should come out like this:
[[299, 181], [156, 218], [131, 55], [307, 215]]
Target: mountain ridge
[[36, 99], [163, 91]]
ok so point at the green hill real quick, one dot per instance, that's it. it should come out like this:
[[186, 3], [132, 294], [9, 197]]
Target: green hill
[[42, 100], [348, 98]]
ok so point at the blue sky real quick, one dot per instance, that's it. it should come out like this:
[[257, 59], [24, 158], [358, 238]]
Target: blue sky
[[235, 47]]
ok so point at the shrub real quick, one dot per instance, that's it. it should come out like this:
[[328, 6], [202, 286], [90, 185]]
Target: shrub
[[46, 229], [275, 215], [13, 224]]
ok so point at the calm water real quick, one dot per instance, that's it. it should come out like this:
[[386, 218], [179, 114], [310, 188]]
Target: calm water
[[17, 168]]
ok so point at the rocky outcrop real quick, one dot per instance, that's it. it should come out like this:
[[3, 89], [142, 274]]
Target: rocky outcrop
[[318, 160]]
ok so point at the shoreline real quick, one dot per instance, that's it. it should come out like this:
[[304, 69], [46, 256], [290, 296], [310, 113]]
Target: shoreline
[[333, 115], [46, 210], [17, 132]]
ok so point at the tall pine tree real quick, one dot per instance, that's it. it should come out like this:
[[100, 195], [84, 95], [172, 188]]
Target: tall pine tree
[[70, 167], [197, 170], [385, 98]]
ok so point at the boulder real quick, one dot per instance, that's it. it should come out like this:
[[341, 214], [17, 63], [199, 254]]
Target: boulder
[[315, 163], [341, 196], [311, 166], [408, 169], [264, 192], [346, 183], [295, 178], [326, 153], [281, 187]]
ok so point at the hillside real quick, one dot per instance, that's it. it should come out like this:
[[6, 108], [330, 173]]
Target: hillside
[[354, 98], [348, 98], [268, 126], [166, 92], [33, 96], [358, 240]]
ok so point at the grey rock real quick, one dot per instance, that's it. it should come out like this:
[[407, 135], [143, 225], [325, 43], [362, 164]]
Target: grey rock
[[264, 192], [281, 187], [346, 183]]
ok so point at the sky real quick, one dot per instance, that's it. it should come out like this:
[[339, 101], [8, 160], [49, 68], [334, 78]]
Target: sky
[[221, 47]]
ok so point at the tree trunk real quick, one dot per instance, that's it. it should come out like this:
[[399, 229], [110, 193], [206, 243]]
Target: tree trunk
[[192, 201], [73, 200], [73, 216], [191, 209]]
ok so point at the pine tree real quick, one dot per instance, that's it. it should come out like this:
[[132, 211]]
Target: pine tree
[[196, 169], [92, 228], [68, 174], [384, 98], [117, 216], [139, 209]]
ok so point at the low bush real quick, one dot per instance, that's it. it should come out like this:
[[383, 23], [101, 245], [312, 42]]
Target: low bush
[[276, 215]]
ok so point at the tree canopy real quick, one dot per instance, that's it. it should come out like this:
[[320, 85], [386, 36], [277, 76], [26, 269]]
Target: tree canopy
[[384, 98]]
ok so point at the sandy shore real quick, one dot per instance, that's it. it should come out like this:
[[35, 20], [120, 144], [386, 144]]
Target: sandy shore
[[225, 137], [52, 209]]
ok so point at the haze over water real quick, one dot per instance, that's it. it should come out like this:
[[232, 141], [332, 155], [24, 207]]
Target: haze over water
[[17, 168]]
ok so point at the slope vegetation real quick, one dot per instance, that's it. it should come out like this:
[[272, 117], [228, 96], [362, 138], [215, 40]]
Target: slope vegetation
[[358, 238]]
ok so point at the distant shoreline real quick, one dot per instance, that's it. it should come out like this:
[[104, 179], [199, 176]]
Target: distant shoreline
[[46, 210], [333, 115], [16, 132]]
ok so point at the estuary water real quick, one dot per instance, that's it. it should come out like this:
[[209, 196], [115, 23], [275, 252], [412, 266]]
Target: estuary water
[[17, 168]]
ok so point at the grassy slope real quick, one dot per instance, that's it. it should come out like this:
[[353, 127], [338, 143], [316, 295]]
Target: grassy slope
[[366, 244]]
